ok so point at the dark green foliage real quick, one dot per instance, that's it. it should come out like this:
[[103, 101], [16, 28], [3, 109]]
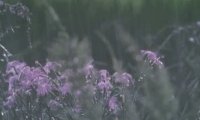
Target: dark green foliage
[[113, 32]]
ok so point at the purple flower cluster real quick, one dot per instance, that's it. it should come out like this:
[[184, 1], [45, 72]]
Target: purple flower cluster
[[124, 79], [10, 101], [114, 105], [105, 85], [65, 88], [88, 70], [25, 80], [152, 57], [57, 88]]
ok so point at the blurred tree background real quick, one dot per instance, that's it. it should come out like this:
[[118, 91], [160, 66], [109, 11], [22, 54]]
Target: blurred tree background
[[146, 21], [115, 30]]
